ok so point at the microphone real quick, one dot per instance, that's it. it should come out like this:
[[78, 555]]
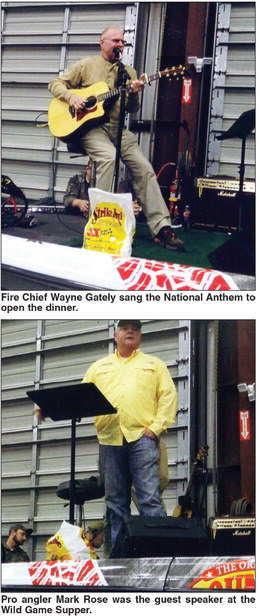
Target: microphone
[[117, 52]]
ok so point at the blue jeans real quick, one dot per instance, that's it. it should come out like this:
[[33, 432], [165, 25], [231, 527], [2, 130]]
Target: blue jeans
[[134, 463]]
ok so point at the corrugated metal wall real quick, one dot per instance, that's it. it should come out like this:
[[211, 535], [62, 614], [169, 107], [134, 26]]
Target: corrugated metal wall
[[233, 87], [36, 458], [39, 41]]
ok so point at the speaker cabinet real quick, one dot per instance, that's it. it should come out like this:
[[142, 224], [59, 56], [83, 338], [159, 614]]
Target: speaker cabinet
[[142, 536], [232, 536], [217, 205]]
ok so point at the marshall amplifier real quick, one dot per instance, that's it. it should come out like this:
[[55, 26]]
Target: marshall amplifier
[[217, 204], [143, 536], [232, 536]]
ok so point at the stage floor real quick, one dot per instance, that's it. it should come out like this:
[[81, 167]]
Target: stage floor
[[56, 227], [160, 574]]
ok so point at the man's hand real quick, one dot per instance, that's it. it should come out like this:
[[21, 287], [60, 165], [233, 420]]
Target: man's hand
[[137, 209], [150, 433], [40, 415], [82, 204], [76, 101], [136, 86]]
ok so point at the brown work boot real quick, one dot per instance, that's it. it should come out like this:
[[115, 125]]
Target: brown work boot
[[168, 239]]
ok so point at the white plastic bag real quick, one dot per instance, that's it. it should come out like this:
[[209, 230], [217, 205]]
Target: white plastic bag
[[111, 224], [68, 543]]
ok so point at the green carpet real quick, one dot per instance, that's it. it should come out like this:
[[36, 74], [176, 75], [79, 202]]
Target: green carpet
[[198, 243]]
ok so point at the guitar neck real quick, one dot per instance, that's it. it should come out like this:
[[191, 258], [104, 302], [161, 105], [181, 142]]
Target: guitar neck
[[189, 486], [202, 453], [116, 91]]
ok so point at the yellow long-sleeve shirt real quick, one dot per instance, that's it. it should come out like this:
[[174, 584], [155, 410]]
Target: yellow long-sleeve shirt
[[141, 389]]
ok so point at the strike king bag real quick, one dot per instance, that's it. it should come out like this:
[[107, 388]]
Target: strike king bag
[[111, 224]]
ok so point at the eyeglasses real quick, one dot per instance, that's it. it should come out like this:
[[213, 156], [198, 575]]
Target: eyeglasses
[[115, 40]]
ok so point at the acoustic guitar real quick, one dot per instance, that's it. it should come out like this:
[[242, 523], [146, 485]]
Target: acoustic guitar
[[67, 124], [186, 508]]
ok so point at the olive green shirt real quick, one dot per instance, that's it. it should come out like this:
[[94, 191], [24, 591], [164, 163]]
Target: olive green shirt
[[77, 188], [88, 71], [13, 556]]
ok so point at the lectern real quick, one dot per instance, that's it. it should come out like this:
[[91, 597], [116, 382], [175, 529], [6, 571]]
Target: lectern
[[71, 402]]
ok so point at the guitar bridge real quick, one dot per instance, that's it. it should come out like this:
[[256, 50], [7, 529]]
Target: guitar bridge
[[81, 113], [72, 112]]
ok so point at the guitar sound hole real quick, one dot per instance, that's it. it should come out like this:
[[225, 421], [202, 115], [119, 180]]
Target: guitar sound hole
[[90, 102]]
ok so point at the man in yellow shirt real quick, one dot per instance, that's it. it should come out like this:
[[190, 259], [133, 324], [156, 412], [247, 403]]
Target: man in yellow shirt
[[140, 387], [100, 142]]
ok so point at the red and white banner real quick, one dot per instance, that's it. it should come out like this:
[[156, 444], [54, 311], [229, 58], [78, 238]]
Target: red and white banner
[[100, 270], [145, 274], [238, 574], [53, 573], [211, 572]]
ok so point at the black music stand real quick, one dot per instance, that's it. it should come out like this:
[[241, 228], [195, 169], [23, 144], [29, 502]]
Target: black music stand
[[71, 402], [240, 129], [123, 75]]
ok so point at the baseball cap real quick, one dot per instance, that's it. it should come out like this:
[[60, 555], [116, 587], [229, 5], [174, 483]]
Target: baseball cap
[[123, 322], [28, 531]]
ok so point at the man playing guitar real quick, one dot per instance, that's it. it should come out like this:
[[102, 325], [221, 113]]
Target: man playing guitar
[[99, 141]]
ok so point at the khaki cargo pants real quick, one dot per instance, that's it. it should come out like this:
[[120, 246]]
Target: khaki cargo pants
[[99, 144]]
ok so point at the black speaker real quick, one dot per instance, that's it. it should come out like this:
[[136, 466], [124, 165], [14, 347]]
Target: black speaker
[[232, 536], [218, 206], [237, 255], [143, 536]]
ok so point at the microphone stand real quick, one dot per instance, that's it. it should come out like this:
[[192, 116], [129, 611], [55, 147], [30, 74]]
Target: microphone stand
[[123, 75]]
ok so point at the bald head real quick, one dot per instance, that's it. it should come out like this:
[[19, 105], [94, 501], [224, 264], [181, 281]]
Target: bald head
[[111, 38], [110, 31]]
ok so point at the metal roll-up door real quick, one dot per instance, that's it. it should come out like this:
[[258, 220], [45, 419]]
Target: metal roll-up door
[[36, 458], [233, 87], [39, 41]]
